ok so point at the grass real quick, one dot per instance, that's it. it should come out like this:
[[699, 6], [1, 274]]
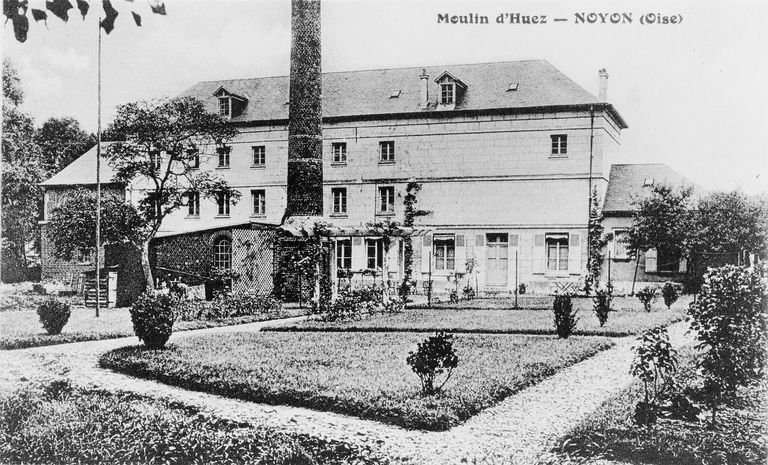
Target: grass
[[620, 323], [22, 329], [364, 375], [54, 423], [544, 302], [740, 437]]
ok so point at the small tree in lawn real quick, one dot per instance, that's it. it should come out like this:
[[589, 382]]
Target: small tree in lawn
[[670, 294], [730, 318], [164, 143], [433, 357], [646, 296]]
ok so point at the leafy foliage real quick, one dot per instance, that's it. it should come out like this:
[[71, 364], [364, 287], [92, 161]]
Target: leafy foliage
[[61, 141], [670, 294], [730, 317], [54, 423], [647, 295], [409, 218], [565, 315], [53, 315], [153, 315], [73, 223], [662, 220], [601, 303], [229, 305], [433, 357], [356, 303], [655, 363], [596, 242]]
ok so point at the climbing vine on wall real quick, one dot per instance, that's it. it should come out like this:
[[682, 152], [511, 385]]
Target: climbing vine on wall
[[596, 243], [411, 213]]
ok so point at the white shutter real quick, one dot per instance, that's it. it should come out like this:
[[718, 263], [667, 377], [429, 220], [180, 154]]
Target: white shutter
[[683, 266], [392, 265], [574, 254], [480, 254], [460, 254], [358, 254], [426, 252], [539, 254], [650, 261]]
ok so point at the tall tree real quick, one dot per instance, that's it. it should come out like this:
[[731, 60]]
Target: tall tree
[[662, 220], [164, 143], [21, 177], [61, 142]]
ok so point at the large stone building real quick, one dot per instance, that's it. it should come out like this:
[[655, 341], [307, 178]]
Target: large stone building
[[505, 153]]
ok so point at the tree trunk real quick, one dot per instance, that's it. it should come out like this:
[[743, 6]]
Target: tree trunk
[[145, 266]]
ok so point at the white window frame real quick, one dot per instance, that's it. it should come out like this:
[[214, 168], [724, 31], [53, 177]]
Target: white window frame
[[225, 109], [259, 202], [339, 150], [224, 157], [193, 204], [388, 203], [193, 157], [616, 244], [451, 98], [559, 145], [223, 203], [447, 244], [377, 245], [559, 260], [386, 151], [258, 156], [156, 159], [339, 200], [344, 253], [222, 253]]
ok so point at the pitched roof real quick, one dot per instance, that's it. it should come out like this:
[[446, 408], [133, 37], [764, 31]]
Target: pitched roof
[[83, 170], [626, 184], [367, 93]]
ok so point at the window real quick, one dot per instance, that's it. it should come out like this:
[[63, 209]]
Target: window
[[193, 158], [667, 261], [447, 93], [259, 198], [222, 200], [444, 252], [557, 252], [344, 254], [387, 151], [222, 254], [84, 255], [224, 106], [259, 155], [375, 253], [223, 156], [560, 144], [339, 152], [155, 159], [386, 200], [193, 204], [619, 243], [339, 200]]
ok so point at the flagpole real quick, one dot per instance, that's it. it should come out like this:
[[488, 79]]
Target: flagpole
[[98, 178]]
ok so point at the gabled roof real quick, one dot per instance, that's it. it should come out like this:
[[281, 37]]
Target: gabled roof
[[83, 170], [627, 184], [367, 93], [222, 91], [452, 77]]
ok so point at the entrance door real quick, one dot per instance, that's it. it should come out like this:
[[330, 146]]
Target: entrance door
[[496, 259]]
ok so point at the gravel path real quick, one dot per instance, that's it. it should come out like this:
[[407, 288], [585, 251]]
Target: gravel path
[[519, 430]]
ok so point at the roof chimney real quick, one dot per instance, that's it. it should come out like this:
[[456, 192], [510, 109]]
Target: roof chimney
[[603, 94], [424, 88]]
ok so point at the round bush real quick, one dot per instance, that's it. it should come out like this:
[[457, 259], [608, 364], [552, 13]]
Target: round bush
[[152, 316], [53, 315]]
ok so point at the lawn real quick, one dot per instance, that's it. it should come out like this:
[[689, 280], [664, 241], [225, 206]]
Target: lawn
[[740, 437], [544, 302], [360, 374], [54, 423], [21, 329], [620, 323]]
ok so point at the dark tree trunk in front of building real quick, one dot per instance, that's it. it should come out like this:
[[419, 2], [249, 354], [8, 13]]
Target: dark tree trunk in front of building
[[305, 149]]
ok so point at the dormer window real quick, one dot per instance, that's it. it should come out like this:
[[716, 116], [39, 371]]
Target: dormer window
[[451, 90], [225, 106], [230, 104], [447, 93]]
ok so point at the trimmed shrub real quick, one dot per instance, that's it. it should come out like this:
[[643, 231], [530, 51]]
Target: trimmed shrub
[[670, 294], [565, 316], [468, 293], [730, 317], [152, 316], [647, 295], [355, 303], [229, 305], [521, 289], [601, 302], [38, 288], [53, 315], [453, 297], [433, 357]]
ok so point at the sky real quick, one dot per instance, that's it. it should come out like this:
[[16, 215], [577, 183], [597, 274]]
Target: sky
[[693, 94]]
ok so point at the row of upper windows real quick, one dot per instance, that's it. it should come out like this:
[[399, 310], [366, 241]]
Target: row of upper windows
[[338, 151], [385, 200]]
